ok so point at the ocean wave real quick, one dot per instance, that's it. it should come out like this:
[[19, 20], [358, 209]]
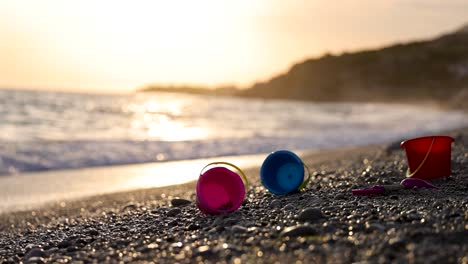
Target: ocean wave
[[54, 155], [52, 131]]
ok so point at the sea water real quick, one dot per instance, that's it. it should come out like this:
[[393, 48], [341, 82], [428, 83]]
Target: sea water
[[51, 130]]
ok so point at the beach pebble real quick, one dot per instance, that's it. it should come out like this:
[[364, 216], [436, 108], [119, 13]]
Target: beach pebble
[[218, 221], [226, 246], [35, 252], [310, 214], [177, 245], [397, 242], [375, 226], [173, 212], [192, 227], [299, 230], [148, 248], [329, 227], [37, 260], [72, 248], [130, 206], [231, 221], [92, 232], [340, 196], [213, 230], [121, 242], [289, 207], [30, 246], [203, 251], [275, 203], [61, 259], [173, 223], [63, 244], [238, 229], [412, 215], [177, 202]]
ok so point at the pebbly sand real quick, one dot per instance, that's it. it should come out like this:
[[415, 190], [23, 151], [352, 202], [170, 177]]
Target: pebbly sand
[[151, 225]]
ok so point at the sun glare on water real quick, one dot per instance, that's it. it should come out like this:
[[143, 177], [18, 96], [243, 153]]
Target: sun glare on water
[[159, 119]]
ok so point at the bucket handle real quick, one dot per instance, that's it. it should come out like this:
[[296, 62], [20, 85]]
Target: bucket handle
[[232, 165], [304, 184], [411, 174]]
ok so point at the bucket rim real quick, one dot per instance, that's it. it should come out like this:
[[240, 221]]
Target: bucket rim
[[402, 144], [282, 151], [269, 157], [199, 181]]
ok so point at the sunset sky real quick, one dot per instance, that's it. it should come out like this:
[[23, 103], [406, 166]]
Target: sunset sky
[[118, 46]]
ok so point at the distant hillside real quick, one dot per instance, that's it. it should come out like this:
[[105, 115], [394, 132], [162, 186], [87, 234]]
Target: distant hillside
[[433, 70], [423, 70]]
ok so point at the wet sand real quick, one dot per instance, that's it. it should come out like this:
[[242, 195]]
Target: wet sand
[[32, 190], [322, 224]]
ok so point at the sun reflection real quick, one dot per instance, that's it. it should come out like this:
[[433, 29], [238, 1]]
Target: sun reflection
[[174, 131], [160, 119]]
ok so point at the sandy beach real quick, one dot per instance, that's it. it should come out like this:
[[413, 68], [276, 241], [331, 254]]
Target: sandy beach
[[324, 223]]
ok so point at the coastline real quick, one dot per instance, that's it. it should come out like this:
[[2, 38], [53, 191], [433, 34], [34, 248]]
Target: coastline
[[30, 191], [143, 226]]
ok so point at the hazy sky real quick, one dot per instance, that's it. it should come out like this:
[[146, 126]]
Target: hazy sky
[[103, 46]]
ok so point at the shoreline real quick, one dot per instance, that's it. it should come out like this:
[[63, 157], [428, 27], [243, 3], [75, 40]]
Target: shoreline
[[21, 192], [421, 226]]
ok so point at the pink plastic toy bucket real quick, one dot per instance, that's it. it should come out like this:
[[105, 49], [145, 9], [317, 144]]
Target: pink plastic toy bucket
[[428, 157], [220, 190]]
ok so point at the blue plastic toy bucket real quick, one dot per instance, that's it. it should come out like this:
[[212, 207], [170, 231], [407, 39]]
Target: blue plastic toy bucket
[[282, 172]]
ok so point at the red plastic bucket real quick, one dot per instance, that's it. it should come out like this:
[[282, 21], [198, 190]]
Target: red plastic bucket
[[220, 190], [428, 157]]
